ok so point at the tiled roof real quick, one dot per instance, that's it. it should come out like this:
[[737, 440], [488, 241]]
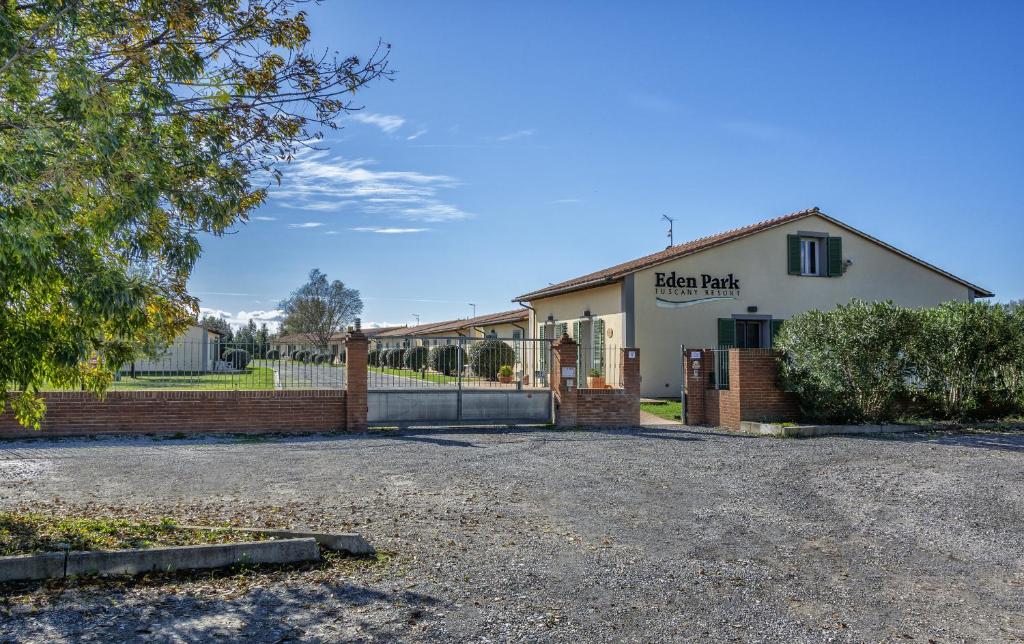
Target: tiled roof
[[505, 317], [615, 273], [451, 326], [418, 329]]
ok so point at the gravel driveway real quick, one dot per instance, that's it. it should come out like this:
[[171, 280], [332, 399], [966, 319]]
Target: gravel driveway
[[638, 535]]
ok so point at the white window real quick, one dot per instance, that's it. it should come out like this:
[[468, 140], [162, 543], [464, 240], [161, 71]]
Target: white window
[[810, 256]]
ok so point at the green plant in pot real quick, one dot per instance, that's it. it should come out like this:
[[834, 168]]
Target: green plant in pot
[[505, 373], [596, 379]]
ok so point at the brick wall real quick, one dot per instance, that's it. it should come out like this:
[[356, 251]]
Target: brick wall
[[357, 407], [616, 407], [753, 394], [141, 412]]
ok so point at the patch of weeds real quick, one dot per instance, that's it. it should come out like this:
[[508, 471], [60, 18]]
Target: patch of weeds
[[27, 533]]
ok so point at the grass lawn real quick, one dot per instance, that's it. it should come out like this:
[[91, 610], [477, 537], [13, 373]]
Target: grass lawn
[[430, 376], [669, 409], [251, 378], [24, 533]]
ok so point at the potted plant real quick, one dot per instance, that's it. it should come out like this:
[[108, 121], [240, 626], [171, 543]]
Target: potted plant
[[505, 374], [596, 380]]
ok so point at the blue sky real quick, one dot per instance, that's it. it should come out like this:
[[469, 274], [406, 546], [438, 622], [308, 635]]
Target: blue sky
[[525, 143]]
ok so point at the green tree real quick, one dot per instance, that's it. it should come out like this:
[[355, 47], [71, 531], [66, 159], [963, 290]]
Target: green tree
[[218, 324], [319, 309], [128, 128]]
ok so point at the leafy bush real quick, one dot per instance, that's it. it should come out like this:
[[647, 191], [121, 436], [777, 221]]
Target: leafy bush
[[273, 354], [302, 355], [486, 356], [446, 359], [851, 363], [373, 357], [416, 358], [237, 358], [860, 362], [294, 355], [321, 358], [968, 360], [394, 358]]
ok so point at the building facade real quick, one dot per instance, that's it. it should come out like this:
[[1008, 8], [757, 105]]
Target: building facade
[[197, 350], [733, 289]]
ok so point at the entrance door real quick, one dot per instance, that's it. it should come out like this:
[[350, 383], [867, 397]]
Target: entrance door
[[749, 334]]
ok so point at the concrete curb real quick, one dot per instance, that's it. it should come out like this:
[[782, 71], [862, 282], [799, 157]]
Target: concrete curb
[[130, 562], [807, 431], [349, 542]]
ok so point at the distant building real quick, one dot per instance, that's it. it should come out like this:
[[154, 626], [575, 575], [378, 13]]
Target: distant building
[[197, 350]]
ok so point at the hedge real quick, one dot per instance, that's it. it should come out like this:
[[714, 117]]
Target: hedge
[[446, 359], [320, 358], [487, 356], [394, 358], [237, 358], [415, 358], [871, 362], [373, 357], [273, 354]]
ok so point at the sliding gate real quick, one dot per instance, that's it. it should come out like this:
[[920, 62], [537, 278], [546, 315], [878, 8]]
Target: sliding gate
[[448, 380]]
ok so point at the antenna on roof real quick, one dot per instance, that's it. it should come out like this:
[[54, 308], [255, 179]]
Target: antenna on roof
[[417, 316], [474, 308], [671, 241]]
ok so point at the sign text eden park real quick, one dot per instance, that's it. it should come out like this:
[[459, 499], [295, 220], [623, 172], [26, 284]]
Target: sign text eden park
[[711, 282]]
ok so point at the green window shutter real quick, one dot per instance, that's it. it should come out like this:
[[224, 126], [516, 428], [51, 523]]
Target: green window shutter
[[776, 325], [793, 248], [543, 348], [579, 349], [599, 345], [835, 256], [561, 329], [726, 332]]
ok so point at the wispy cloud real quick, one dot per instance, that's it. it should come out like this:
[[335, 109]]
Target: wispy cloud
[[239, 319], [389, 231], [316, 181], [264, 218], [388, 123], [332, 232], [568, 200], [308, 224], [416, 135], [519, 134]]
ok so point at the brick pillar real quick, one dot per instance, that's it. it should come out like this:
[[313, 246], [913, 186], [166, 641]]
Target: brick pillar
[[695, 385], [564, 388], [356, 409], [631, 381]]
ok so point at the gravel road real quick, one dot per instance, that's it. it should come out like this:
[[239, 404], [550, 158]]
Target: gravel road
[[635, 535]]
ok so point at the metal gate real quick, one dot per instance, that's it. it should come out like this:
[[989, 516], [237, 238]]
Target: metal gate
[[455, 379]]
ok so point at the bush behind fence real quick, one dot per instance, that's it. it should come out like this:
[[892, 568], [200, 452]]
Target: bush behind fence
[[875, 362]]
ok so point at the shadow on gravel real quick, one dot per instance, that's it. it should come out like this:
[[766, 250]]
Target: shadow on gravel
[[441, 442], [997, 441], [272, 613], [426, 434]]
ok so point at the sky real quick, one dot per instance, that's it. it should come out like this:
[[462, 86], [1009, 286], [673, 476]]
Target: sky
[[521, 144]]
